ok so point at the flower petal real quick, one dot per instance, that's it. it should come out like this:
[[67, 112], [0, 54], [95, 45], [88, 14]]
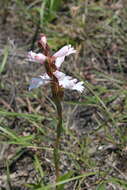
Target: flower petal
[[43, 39], [59, 75], [65, 51], [68, 82], [37, 82], [36, 57], [45, 77], [59, 61], [79, 87]]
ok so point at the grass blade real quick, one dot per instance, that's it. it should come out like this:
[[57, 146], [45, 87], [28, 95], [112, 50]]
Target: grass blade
[[6, 52]]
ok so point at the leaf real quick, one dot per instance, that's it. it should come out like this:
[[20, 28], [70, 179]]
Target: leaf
[[120, 182], [23, 115], [101, 186], [15, 138], [64, 177], [50, 186], [38, 167], [6, 51]]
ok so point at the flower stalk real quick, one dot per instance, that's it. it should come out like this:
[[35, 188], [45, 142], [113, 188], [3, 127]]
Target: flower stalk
[[57, 94], [57, 141]]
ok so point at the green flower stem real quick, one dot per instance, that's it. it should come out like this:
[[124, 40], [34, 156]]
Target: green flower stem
[[57, 93], [57, 141]]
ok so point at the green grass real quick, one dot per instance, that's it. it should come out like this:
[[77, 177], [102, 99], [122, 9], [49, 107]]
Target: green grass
[[4, 61]]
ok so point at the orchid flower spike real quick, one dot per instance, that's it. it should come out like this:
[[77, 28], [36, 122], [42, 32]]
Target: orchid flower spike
[[59, 57]]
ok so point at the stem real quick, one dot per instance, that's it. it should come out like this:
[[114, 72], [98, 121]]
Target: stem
[[57, 93], [57, 141]]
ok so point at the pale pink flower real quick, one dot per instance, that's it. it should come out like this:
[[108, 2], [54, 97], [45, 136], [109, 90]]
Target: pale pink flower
[[59, 55], [38, 81], [65, 51], [64, 81], [68, 82], [78, 86], [36, 57]]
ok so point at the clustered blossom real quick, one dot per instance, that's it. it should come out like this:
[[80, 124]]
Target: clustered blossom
[[64, 81]]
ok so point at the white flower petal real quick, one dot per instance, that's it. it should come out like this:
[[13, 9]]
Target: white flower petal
[[36, 57], [65, 51], [79, 87], [59, 75], [59, 61], [45, 77], [68, 82], [37, 82]]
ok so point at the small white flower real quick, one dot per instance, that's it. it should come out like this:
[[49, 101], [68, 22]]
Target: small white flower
[[64, 80], [78, 86], [68, 82], [38, 81], [36, 57], [59, 55], [65, 51]]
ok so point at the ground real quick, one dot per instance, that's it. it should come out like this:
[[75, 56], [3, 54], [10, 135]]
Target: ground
[[94, 136]]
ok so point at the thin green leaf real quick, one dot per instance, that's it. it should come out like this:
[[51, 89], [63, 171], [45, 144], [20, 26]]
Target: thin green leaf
[[67, 180], [38, 166], [6, 52], [23, 115]]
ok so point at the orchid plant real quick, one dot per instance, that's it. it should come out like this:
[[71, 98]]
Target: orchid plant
[[58, 82]]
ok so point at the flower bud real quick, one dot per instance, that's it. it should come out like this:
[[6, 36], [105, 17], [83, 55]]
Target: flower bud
[[43, 39]]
